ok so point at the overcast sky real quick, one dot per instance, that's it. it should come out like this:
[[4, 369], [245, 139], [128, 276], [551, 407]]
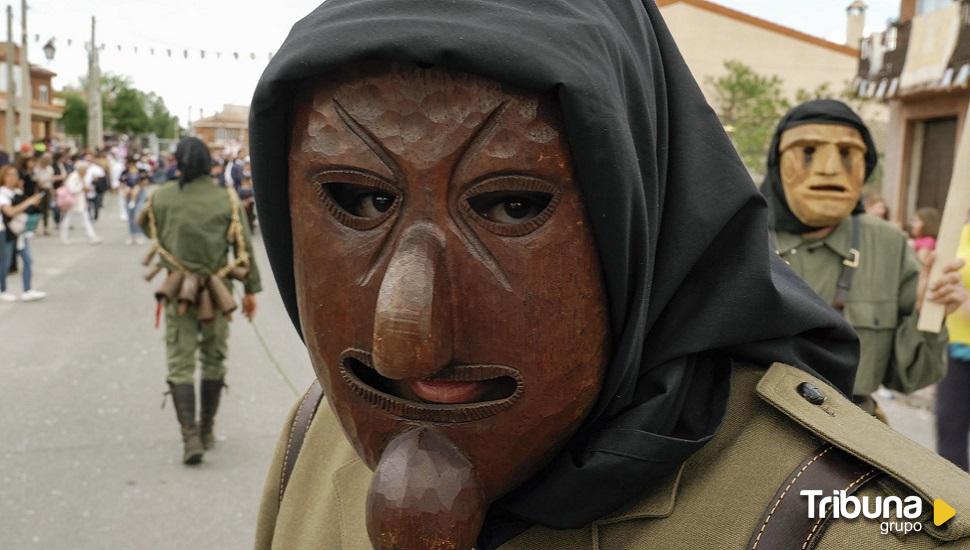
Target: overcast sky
[[259, 26]]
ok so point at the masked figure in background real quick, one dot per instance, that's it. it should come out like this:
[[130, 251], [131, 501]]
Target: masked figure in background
[[195, 225], [821, 155], [536, 286]]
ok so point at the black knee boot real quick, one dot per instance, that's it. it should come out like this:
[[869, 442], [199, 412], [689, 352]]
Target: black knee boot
[[211, 391], [183, 395]]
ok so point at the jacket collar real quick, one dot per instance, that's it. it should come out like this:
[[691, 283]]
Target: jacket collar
[[838, 241]]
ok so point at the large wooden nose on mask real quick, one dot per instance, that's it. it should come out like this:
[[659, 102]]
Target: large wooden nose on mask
[[829, 161], [412, 325]]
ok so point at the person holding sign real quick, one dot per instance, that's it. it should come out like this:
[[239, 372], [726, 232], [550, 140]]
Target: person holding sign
[[820, 157]]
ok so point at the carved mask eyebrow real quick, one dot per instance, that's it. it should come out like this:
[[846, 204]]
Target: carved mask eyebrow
[[480, 137], [385, 156]]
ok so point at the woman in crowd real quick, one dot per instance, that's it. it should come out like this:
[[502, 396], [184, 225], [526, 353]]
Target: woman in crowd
[[952, 405], [13, 241], [73, 202]]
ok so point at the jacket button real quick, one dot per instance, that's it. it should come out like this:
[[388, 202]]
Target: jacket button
[[811, 393]]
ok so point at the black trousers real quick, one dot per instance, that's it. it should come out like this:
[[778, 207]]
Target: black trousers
[[953, 413]]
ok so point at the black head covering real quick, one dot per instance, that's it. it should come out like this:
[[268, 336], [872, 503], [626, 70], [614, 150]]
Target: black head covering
[[819, 111], [193, 159], [680, 229]]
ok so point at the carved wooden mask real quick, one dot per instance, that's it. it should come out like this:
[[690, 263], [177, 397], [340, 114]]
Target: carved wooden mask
[[448, 285], [823, 169]]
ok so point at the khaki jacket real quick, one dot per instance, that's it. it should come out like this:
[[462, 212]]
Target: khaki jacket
[[716, 501], [881, 303]]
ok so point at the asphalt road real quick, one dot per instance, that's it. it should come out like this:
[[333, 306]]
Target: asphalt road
[[88, 459]]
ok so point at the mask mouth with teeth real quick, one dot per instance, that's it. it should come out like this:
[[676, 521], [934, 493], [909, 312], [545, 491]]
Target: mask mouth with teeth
[[820, 158], [444, 208]]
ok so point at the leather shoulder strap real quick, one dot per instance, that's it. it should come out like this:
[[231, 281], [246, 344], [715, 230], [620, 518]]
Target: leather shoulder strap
[[298, 430], [786, 522], [849, 267]]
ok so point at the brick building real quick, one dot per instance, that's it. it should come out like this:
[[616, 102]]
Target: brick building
[[229, 128], [44, 111]]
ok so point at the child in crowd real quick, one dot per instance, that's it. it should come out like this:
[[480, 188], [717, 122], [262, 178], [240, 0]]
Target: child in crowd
[[923, 229]]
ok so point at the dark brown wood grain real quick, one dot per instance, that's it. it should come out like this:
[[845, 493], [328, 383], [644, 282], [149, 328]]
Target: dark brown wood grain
[[449, 288]]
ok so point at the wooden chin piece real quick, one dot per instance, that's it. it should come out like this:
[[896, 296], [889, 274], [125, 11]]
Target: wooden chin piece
[[221, 297], [424, 494], [206, 309], [150, 255], [153, 272], [170, 288]]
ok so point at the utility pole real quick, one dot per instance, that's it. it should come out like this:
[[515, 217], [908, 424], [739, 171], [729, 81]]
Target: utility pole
[[95, 121], [27, 88], [9, 126]]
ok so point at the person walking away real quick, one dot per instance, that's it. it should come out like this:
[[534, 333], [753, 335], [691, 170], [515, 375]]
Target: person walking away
[[97, 184], [190, 220], [134, 199], [116, 165], [44, 177], [13, 206], [952, 403], [60, 175], [72, 201], [923, 229]]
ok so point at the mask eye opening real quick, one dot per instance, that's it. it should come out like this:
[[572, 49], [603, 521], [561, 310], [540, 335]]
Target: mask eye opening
[[501, 193], [342, 193]]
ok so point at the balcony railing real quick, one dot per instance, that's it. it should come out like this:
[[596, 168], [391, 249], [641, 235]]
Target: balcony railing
[[883, 57]]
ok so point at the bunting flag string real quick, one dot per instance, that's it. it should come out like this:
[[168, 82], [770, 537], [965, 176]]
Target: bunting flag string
[[168, 52]]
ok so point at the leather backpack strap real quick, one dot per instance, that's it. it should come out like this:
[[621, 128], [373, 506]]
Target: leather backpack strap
[[298, 430], [786, 524]]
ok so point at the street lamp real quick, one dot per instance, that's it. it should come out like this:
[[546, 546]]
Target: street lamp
[[49, 50]]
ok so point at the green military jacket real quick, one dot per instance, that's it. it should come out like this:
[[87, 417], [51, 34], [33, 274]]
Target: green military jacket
[[192, 224], [718, 500], [880, 304]]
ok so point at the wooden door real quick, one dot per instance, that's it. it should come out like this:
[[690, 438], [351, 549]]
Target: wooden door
[[936, 168]]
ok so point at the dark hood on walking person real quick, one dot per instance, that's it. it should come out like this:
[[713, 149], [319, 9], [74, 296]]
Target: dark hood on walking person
[[819, 111], [681, 231], [193, 159]]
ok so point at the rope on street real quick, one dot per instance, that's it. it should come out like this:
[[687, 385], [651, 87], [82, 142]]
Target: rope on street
[[272, 358]]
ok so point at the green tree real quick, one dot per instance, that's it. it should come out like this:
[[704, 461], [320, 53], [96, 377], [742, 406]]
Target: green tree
[[749, 106], [125, 112], [128, 110], [160, 120], [75, 117]]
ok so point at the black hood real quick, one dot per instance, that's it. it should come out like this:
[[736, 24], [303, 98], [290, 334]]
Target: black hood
[[680, 228], [820, 111], [193, 159]]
